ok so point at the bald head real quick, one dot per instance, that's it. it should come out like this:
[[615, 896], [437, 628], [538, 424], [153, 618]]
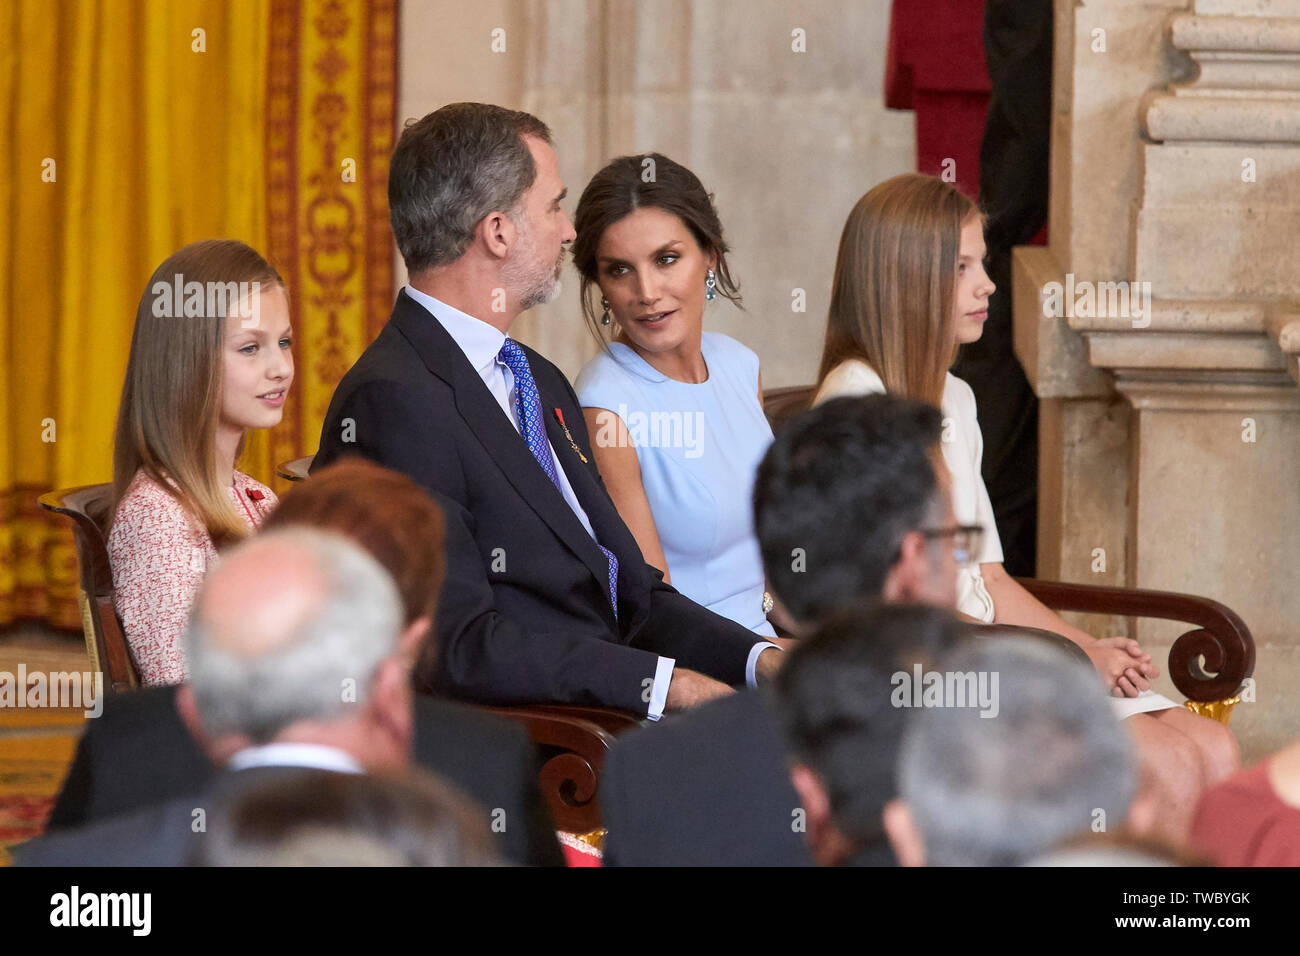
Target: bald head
[[290, 626], [259, 598]]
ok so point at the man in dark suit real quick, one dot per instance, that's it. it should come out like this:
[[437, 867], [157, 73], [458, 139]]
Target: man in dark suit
[[298, 659], [848, 508], [139, 754], [547, 597]]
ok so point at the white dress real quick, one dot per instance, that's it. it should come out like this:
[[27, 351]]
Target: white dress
[[963, 450]]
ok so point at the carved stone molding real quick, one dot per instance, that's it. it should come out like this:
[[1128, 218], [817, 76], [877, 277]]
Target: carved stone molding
[[1246, 87]]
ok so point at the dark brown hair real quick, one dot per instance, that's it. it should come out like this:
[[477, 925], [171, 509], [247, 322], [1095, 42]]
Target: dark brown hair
[[385, 512], [630, 183], [171, 399], [316, 818]]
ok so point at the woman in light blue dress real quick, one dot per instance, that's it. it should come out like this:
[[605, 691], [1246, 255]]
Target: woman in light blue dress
[[675, 413]]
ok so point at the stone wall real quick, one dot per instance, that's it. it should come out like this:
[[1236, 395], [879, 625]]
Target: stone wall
[[787, 141], [1171, 417]]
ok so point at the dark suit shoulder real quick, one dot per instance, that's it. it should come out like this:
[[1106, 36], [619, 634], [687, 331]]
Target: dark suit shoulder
[[707, 788], [494, 762], [444, 727], [138, 752], [153, 836]]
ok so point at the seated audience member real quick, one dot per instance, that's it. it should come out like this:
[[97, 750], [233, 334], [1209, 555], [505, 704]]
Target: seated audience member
[[194, 385], [836, 700], [548, 596], [1036, 760], [848, 510], [1253, 817], [317, 818], [297, 658], [677, 412], [139, 751], [909, 288]]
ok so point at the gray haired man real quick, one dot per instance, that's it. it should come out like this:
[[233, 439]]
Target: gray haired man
[[299, 664], [981, 790]]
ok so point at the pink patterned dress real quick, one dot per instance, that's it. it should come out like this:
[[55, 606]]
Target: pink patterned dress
[[159, 556]]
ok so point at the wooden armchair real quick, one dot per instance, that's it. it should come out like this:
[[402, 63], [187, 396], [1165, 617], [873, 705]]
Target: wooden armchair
[[88, 508], [1208, 665], [572, 740]]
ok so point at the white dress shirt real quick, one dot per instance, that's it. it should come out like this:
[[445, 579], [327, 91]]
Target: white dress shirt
[[313, 756], [481, 344]]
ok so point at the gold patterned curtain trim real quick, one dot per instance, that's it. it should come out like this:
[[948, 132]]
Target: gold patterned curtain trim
[[328, 94], [331, 100]]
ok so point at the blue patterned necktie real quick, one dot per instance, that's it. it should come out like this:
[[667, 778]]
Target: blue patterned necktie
[[529, 409]]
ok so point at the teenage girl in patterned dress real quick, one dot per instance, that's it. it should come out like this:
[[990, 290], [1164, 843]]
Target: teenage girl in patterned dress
[[194, 384]]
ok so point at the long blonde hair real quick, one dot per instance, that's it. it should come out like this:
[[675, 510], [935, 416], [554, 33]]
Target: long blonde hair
[[171, 399], [895, 282]]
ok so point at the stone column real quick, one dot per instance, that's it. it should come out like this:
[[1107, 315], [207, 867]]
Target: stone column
[[1176, 209]]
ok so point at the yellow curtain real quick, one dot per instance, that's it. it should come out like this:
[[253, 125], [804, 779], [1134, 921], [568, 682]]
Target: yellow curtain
[[134, 127]]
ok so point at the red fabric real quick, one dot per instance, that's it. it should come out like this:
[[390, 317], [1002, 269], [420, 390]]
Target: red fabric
[[578, 852], [1243, 822], [935, 66]]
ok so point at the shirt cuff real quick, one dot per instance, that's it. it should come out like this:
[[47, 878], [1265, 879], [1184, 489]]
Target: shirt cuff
[[659, 692], [751, 678]]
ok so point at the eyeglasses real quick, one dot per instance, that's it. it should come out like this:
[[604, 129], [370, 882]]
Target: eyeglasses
[[966, 539]]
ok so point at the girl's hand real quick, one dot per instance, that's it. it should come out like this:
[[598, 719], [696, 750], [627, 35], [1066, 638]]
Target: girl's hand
[[1122, 665]]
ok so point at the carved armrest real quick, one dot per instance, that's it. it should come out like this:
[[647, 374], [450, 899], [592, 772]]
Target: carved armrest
[[573, 741], [1206, 664]]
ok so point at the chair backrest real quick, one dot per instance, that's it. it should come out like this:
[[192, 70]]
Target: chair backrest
[[780, 405], [297, 470], [89, 507]]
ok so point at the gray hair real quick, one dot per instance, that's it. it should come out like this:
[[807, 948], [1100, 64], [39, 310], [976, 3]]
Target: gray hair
[[325, 668], [1000, 791], [451, 169]]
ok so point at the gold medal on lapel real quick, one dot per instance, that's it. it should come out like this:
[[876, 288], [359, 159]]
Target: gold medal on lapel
[[559, 417]]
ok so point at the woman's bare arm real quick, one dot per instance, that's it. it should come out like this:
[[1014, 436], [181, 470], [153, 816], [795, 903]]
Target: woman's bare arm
[[621, 471]]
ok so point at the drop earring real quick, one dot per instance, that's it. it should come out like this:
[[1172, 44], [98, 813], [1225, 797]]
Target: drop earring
[[604, 319], [710, 281]]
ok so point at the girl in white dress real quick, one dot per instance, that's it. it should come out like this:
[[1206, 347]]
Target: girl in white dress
[[909, 288]]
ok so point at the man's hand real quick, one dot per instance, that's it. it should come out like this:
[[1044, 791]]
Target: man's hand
[[768, 663], [1123, 665], [689, 689]]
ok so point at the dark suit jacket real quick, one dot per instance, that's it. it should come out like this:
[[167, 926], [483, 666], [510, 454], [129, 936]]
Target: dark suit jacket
[[158, 834], [164, 834], [706, 788], [139, 754], [525, 613]]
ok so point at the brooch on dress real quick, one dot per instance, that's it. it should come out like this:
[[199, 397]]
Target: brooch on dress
[[559, 417]]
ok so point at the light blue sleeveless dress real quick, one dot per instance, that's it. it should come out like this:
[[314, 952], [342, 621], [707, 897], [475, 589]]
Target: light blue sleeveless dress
[[699, 446]]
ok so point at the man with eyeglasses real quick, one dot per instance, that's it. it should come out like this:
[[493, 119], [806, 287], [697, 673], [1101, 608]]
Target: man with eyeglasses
[[851, 505]]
